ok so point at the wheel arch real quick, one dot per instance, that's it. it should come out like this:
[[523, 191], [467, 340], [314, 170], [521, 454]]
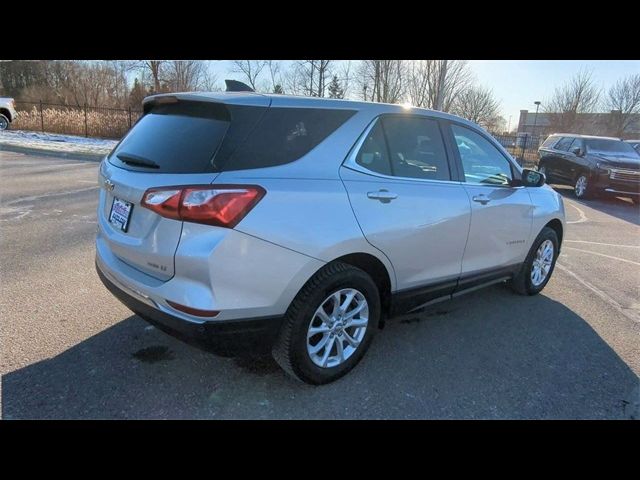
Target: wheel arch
[[378, 272], [556, 226], [6, 113]]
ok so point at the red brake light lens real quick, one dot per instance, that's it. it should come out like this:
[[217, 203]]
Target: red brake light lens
[[219, 205], [165, 202], [193, 311]]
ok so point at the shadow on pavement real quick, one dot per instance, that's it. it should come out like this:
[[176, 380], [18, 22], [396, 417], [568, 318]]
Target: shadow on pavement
[[618, 207], [491, 354]]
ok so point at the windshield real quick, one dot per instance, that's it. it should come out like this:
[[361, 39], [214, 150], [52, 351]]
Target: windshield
[[611, 147]]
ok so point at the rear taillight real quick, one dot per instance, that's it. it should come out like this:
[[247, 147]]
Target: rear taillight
[[222, 205]]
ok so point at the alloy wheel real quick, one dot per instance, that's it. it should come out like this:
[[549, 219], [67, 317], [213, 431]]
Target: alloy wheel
[[337, 328], [542, 263]]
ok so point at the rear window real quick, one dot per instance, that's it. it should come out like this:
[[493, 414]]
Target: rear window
[[174, 138], [284, 135]]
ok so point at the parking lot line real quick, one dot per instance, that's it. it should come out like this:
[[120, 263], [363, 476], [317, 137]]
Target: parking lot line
[[630, 314], [605, 244]]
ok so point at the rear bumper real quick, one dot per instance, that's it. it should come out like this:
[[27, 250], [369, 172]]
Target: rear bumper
[[223, 337]]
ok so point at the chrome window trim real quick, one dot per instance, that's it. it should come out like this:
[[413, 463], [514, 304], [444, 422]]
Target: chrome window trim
[[350, 161]]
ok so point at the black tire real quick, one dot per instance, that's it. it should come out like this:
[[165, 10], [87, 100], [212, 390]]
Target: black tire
[[588, 192], [290, 348], [542, 168], [4, 122], [521, 282]]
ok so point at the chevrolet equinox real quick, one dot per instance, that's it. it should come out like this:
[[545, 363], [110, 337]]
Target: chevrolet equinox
[[300, 224]]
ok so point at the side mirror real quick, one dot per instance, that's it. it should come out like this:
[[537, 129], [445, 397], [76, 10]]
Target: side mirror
[[577, 151], [531, 178]]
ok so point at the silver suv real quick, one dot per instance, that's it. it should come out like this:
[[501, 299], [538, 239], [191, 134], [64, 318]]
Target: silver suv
[[299, 224]]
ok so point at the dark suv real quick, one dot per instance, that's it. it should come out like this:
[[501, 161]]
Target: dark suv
[[592, 165]]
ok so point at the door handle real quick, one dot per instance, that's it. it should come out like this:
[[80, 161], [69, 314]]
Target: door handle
[[384, 196], [483, 199]]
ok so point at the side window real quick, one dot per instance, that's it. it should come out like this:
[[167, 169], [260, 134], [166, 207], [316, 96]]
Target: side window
[[284, 135], [373, 152], [578, 142], [564, 144], [416, 148], [481, 161]]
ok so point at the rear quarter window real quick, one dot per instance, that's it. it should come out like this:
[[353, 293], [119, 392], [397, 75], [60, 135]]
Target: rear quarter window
[[284, 135]]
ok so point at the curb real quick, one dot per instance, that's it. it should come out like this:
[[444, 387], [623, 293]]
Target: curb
[[90, 157]]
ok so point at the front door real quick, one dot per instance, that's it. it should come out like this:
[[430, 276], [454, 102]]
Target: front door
[[501, 215]]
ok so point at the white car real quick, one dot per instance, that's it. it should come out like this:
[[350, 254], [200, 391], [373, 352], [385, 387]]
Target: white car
[[7, 112]]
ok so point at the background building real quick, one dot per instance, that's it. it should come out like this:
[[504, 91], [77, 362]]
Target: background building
[[611, 124]]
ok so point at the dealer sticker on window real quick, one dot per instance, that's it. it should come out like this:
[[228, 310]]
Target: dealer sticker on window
[[120, 214]]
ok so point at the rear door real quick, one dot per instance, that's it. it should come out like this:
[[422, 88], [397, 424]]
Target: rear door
[[174, 143], [562, 161], [408, 202], [501, 214]]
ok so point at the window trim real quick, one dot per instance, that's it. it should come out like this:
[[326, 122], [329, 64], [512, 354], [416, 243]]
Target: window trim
[[516, 172], [350, 161]]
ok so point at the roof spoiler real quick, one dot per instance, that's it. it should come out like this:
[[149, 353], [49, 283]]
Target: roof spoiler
[[236, 86]]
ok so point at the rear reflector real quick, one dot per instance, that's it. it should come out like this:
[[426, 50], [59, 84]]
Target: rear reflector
[[193, 311], [219, 205]]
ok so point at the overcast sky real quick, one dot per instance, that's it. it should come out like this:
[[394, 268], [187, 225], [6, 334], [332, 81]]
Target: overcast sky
[[519, 83]]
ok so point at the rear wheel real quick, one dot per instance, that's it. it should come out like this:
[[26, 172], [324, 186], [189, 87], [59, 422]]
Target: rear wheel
[[539, 264], [329, 325], [4, 122]]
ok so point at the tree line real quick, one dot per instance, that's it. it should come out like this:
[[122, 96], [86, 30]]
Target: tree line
[[572, 104], [445, 85], [438, 84]]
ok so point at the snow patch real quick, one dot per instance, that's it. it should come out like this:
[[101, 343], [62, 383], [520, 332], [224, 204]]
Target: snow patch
[[57, 143]]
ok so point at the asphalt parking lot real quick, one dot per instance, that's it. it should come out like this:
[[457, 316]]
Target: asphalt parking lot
[[71, 350]]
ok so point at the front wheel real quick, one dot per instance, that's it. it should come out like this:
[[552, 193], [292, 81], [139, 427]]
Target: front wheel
[[582, 187], [543, 170], [329, 325], [4, 122], [539, 264]]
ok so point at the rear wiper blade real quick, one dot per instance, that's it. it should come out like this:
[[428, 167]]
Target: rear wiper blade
[[131, 159]]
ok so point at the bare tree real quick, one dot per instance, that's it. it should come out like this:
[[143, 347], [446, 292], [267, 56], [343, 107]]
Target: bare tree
[[476, 104], [436, 84], [382, 80], [249, 70], [578, 96], [309, 77], [155, 69], [624, 98], [345, 77], [275, 76], [185, 75]]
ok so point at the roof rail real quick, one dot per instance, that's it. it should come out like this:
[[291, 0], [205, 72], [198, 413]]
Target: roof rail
[[236, 86]]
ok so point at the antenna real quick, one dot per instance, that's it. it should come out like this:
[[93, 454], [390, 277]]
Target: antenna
[[236, 86]]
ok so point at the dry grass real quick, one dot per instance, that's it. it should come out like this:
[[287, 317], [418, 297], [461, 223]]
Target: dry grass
[[99, 123]]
